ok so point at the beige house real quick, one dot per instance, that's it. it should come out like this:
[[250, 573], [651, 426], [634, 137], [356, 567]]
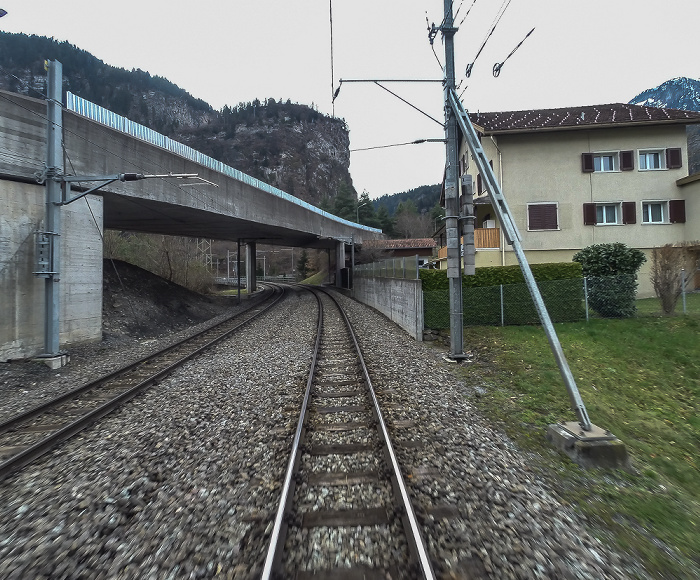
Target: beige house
[[586, 175]]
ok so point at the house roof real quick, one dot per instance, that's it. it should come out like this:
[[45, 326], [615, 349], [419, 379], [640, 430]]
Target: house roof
[[592, 116], [407, 244]]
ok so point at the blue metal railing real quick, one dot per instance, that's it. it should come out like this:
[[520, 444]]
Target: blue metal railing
[[106, 117]]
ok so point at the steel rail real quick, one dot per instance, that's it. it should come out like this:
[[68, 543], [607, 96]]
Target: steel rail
[[38, 410], [416, 535], [43, 446], [274, 553]]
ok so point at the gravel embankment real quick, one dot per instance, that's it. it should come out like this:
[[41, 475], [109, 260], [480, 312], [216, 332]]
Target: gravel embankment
[[180, 483], [183, 482]]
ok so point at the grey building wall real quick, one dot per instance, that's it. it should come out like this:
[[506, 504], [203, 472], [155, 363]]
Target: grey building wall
[[22, 211], [397, 299]]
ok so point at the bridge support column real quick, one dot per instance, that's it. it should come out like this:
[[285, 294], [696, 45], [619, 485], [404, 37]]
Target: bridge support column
[[250, 263], [340, 265]]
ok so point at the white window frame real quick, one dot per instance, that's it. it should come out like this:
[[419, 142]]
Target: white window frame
[[597, 160], [642, 153], [664, 211], [617, 205]]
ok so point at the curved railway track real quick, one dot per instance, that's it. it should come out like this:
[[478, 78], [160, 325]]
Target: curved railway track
[[344, 510], [35, 432]]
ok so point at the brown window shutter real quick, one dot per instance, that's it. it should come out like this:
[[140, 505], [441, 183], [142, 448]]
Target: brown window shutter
[[626, 160], [479, 184], [676, 211], [542, 216], [629, 212], [588, 214], [674, 158], [587, 162]]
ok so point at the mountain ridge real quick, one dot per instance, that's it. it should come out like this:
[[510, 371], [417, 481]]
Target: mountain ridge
[[678, 93]]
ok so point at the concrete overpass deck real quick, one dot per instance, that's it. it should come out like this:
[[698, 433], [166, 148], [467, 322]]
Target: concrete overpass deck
[[227, 205]]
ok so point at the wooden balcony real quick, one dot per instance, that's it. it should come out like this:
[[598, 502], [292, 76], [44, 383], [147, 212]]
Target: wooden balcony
[[487, 238], [484, 239]]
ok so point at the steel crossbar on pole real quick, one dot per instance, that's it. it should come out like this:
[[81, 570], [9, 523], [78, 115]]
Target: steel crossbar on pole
[[513, 238]]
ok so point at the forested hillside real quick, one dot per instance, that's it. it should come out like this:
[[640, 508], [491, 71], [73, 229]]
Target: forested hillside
[[289, 145]]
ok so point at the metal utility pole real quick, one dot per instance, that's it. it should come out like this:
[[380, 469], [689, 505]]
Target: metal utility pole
[[452, 229], [49, 244], [456, 116], [505, 218]]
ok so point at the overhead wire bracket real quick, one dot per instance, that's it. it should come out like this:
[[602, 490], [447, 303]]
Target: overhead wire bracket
[[107, 179]]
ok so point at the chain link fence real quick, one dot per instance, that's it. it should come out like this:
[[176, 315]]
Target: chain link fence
[[406, 268], [508, 304], [566, 301]]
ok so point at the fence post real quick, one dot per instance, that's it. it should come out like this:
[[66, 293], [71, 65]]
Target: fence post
[[417, 267], [502, 307], [403, 266], [585, 294], [683, 289]]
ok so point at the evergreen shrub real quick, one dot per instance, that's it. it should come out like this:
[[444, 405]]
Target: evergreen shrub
[[611, 270]]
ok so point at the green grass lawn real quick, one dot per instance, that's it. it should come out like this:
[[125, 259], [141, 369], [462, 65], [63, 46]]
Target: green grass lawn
[[639, 378]]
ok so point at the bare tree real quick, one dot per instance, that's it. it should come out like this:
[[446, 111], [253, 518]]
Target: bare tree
[[666, 265]]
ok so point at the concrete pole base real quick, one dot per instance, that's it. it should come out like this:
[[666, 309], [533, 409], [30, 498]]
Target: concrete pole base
[[54, 361], [596, 448]]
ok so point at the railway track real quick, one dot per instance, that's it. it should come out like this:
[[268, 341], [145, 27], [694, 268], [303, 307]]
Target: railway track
[[33, 433], [344, 510]]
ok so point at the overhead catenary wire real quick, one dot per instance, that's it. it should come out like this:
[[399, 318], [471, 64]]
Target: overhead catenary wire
[[416, 142], [432, 33], [409, 104], [499, 65], [28, 87], [330, 10], [101, 234], [467, 14], [496, 20]]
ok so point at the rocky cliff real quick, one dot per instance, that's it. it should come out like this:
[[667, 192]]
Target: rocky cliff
[[291, 146]]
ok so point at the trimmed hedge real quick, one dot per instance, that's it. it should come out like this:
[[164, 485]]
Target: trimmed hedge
[[560, 284], [497, 275]]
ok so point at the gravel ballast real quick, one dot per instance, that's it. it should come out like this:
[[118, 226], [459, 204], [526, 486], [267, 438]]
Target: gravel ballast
[[183, 482]]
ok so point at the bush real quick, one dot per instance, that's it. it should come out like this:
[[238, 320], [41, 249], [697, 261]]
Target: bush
[[612, 272], [666, 265]]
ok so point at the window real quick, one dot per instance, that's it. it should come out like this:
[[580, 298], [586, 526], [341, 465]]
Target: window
[[604, 162], [606, 214], [663, 212], [600, 162], [612, 213], [654, 212], [650, 160], [542, 216], [659, 159]]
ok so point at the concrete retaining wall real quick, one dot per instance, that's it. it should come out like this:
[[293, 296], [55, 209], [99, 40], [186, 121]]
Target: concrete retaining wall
[[22, 293], [399, 300]]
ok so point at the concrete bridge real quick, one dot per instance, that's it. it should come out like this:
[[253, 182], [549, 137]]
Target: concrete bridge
[[221, 203]]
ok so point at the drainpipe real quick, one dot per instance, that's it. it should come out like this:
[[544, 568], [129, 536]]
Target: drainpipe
[[500, 179]]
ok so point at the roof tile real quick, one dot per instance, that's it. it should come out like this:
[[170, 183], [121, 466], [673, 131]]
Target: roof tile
[[571, 117]]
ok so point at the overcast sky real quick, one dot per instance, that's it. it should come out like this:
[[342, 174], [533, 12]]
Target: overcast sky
[[230, 51]]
